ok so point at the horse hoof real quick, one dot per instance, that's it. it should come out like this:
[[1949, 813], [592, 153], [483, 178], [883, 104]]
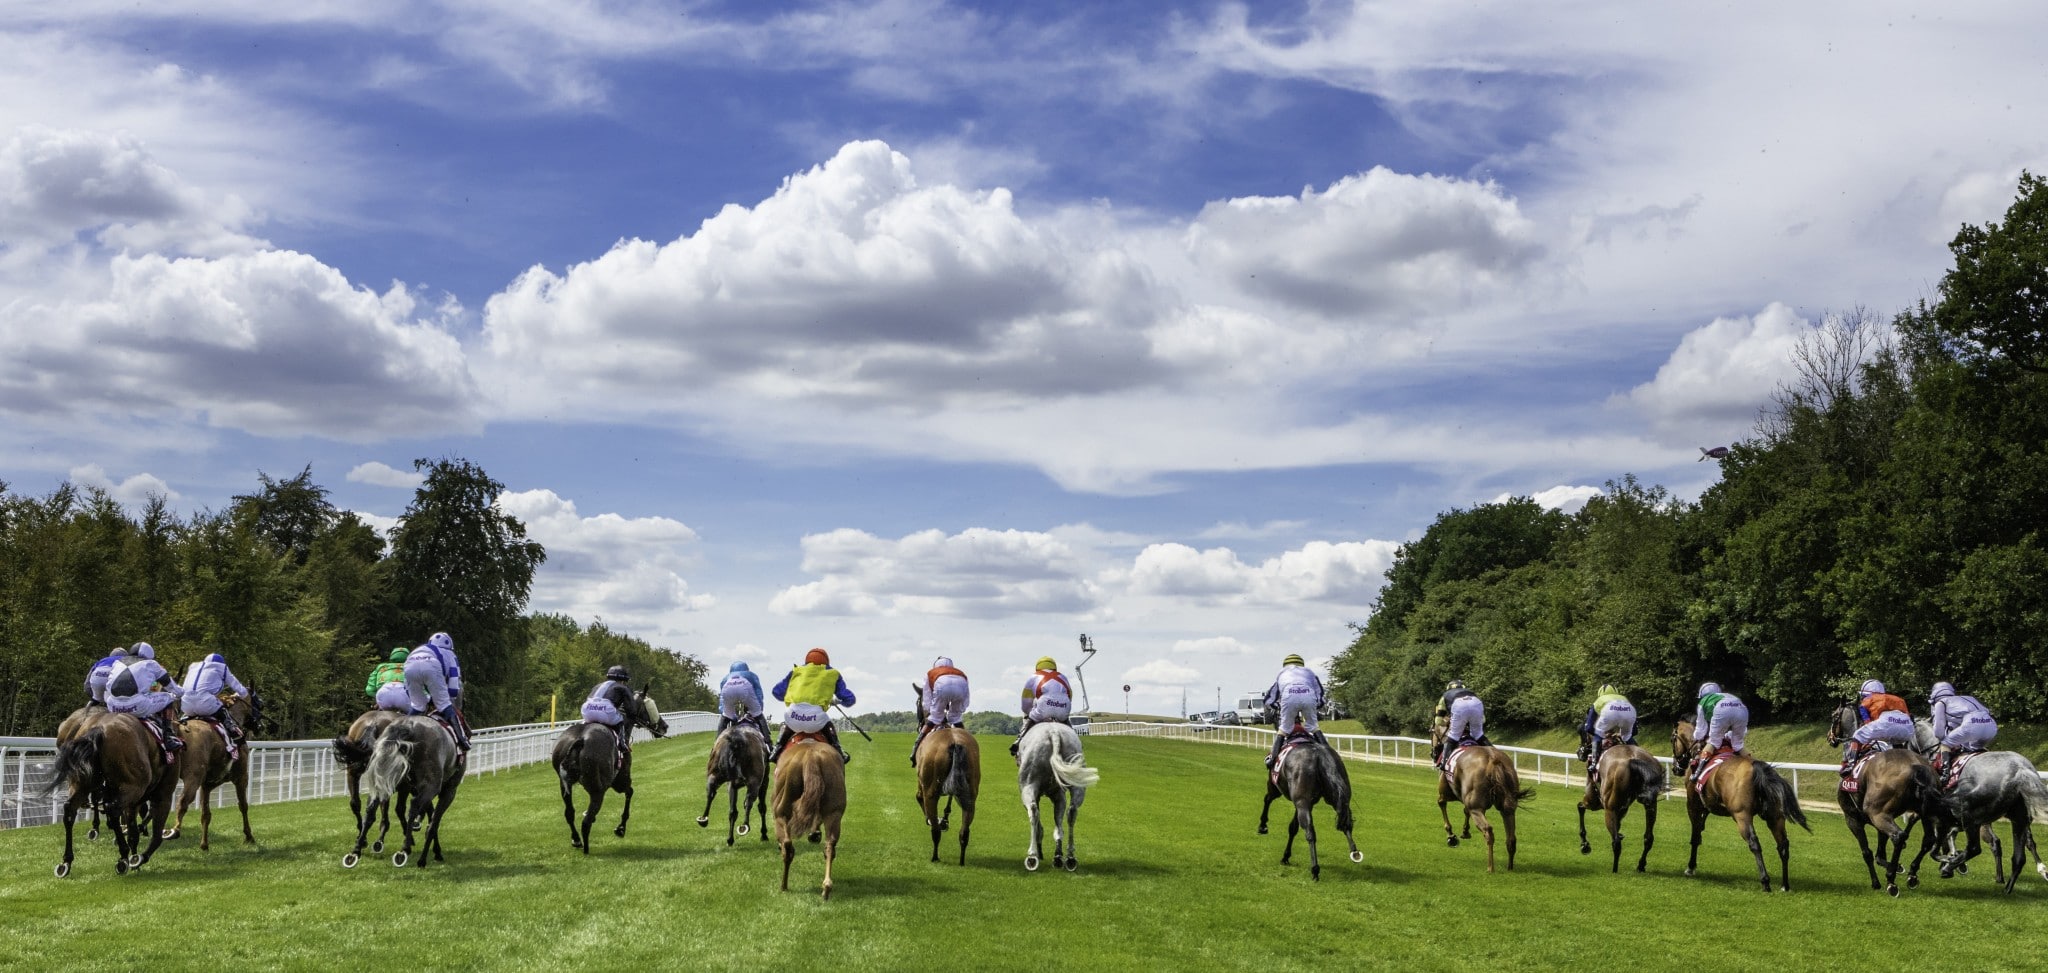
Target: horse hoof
[[1031, 863], [92, 835], [134, 861], [1262, 829], [743, 831], [1585, 849], [1892, 890], [399, 860], [349, 860], [815, 837], [1357, 857], [703, 822], [377, 847], [2042, 868], [1073, 863], [619, 832], [1963, 869], [1452, 840], [170, 834], [121, 867], [1912, 881], [1315, 873], [63, 869], [1688, 873]]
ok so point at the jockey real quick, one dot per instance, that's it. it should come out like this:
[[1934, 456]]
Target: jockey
[[387, 682], [433, 679], [1047, 698], [140, 686], [96, 677], [1298, 695], [1721, 721], [203, 684], [1884, 719], [739, 699], [815, 685], [1463, 717], [945, 700], [611, 704], [1611, 715], [1960, 723]]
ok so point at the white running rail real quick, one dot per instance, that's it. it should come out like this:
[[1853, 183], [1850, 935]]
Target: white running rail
[[290, 770]]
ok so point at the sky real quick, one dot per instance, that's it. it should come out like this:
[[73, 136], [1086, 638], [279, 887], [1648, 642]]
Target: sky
[[907, 328]]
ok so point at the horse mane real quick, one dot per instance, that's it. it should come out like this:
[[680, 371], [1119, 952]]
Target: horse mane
[[1774, 797]]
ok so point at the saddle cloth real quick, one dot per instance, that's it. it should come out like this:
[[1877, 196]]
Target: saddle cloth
[[1714, 762], [1955, 768], [1293, 741], [163, 746], [1854, 782], [1451, 761]]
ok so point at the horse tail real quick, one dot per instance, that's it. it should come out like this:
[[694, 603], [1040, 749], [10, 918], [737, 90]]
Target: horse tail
[[799, 796], [78, 763], [1935, 804], [729, 757], [569, 758], [1507, 784], [354, 752], [1070, 771], [1650, 778], [390, 762], [1774, 795], [1336, 786], [956, 772], [2036, 794]]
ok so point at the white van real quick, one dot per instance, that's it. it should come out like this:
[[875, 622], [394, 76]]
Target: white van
[[1251, 708]]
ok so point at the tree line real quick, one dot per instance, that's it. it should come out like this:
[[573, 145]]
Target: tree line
[[1887, 518], [303, 600]]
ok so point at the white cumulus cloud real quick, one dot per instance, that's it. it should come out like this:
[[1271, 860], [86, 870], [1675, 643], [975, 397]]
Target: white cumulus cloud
[[1350, 572], [622, 569], [378, 474], [135, 489], [1162, 673], [978, 572], [1562, 497], [1720, 375], [1213, 645]]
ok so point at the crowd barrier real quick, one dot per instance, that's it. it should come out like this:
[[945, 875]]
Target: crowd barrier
[[289, 770], [1816, 784]]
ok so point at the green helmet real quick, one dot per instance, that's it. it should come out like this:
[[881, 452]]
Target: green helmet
[[399, 654]]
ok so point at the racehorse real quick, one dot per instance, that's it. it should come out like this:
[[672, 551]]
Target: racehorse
[[809, 798], [1890, 784], [1742, 788], [1993, 785], [113, 758], [740, 758], [415, 756], [353, 749], [1626, 774], [595, 756], [949, 767], [1308, 772], [206, 765], [1480, 777], [1049, 767], [65, 732]]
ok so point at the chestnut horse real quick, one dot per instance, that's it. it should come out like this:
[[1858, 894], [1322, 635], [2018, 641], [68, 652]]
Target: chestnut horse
[[1890, 784], [1481, 777], [809, 798], [206, 765], [1742, 788], [949, 767], [112, 758], [1626, 774]]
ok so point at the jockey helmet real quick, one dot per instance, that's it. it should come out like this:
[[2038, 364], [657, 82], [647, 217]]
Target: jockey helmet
[[217, 657], [1940, 690], [1045, 664], [942, 662], [1454, 684], [399, 654], [1870, 686], [120, 652], [1709, 688], [817, 657], [143, 650], [1292, 660], [739, 667], [440, 640], [619, 673], [1607, 689]]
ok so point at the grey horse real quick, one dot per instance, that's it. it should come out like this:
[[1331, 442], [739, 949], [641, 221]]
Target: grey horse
[[1997, 784], [1049, 766], [417, 756]]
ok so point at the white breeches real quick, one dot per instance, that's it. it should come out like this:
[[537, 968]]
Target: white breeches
[[1976, 730], [1891, 726], [1617, 718], [392, 696], [1298, 709], [1468, 720], [1730, 723], [946, 700], [736, 695], [424, 685], [806, 718], [1050, 708]]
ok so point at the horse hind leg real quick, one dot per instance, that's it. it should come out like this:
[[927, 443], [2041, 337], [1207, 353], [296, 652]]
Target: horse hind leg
[[1649, 832], [1031, 798], [1074, 811], [1613, 815], [206, 819], [626, 812], [569, 809], [241, 782], [1485, 830], [1307, 816], [594, 802]]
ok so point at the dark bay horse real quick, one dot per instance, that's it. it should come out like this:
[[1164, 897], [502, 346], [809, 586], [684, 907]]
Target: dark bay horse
[[1309, 772], [809, 798], [1890, 785], [738, 758], [1627, 774], [206, 765], [1742, 788], [1481, 778], [1050, 767], [415, 757], [112, 758], [1993, 785], [68, 730], [948, 768], [592, 755]]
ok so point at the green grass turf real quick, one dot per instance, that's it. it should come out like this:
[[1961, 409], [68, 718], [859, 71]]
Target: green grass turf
[[1172, 876]]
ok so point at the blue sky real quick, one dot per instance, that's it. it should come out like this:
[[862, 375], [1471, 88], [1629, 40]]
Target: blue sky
[[908, 327]]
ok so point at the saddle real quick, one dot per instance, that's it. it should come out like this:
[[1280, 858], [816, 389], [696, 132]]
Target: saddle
[[1451, 757], [227, 739], [1854, 782]]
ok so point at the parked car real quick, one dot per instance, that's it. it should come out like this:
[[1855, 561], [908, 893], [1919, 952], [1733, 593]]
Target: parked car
[[1226, 718]]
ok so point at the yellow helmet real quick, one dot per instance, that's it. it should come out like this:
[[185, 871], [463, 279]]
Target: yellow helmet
[[1293, 660], [1045, 664], [1607, 689]]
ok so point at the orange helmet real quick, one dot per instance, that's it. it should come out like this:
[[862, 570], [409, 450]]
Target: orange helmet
[[817, 657]]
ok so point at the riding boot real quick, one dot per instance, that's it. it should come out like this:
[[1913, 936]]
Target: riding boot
[[455, 723], [832, 737], [1849, 754], [781, 743], [1273, 755], [723, 722], [1436, 755], [1320, 738], [172, 741]]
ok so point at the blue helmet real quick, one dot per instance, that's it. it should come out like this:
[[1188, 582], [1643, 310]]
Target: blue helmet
[[739, 667], [217, 657]]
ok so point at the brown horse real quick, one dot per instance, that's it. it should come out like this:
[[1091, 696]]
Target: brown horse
[[596, 757], [114, 759], [809, 798], [1890, 785], [353, 749], [949, 767], [1626, 774], [1744, 789], [1481, 777], [66, 732], [206, 765]]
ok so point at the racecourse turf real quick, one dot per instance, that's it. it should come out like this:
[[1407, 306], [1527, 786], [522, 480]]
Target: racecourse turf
[[1172, 876]]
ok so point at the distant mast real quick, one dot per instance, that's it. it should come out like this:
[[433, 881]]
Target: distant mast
[[1087, 653]]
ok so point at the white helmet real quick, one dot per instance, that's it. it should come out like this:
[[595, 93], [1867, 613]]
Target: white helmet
[[1940, 690], [1871, 686], [1709, 688], [143, 649], [942, 662], [440, 640]]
